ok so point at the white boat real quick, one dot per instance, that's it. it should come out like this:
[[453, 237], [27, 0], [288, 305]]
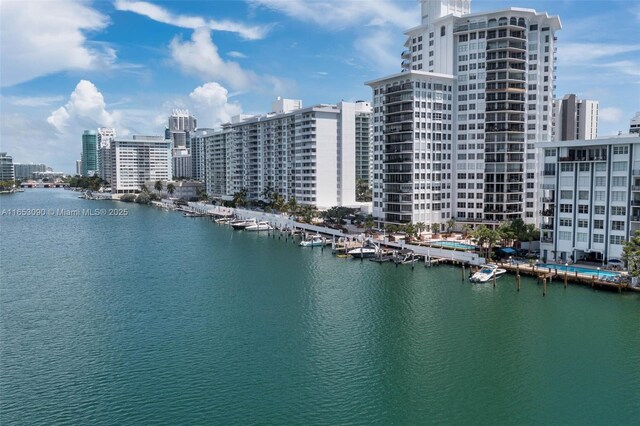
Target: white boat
[[363, 252], [487, 272], [263, 225], [242, 224], [313, 241]]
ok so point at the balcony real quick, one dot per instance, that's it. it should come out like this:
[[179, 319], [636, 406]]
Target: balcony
[[635, 188], [548, 200], [406, 54], [547, 212]]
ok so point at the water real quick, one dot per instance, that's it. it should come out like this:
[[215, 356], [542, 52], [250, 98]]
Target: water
[[580, 270], [158, 318], [453, 244]]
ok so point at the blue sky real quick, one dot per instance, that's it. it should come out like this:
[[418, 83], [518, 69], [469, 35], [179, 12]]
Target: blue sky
[[70, 65]]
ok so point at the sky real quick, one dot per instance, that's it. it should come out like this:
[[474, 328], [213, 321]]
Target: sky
[[71, 65]]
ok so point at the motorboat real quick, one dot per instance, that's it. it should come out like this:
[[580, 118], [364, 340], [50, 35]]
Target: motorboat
[[263, 225], [242, 224], [363, 252], [223, 220], [487, 273], [313, 241]]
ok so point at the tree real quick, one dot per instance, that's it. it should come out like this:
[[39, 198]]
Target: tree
[[505, 234], [369, 222], [486, 238], [277, 201], [450, 225], [158, 186], [201, 194], [435, 228], [466, 229], [420, 227], [143, 188], [292, 205], [240, 198], [171, 188], [363, 191], [391, 228], [531, 233], [631, 254]]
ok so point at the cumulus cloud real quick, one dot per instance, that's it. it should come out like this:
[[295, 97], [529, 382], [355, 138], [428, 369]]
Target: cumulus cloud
[[86, 108], [161, 14], [199, 56], [235, 54], [41, 42], [210, 103]]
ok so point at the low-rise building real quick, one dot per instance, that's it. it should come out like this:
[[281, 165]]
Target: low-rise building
[[26, 171], [590, 197], [188, 190]]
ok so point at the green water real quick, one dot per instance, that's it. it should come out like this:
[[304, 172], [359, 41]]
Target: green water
[[157, 318]]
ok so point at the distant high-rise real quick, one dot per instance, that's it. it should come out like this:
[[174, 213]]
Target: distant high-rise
[[105, 136], [89, 153], [575, 119], [634, 126], [6, 168], [180, 125], [79, 167], [27, 171]]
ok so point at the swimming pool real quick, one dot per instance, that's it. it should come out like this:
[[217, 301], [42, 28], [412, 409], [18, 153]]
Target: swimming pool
[[586, 271], [452, 244]]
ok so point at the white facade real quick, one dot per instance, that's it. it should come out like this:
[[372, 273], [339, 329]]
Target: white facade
[[7, 172], [501, 68], [136, 160], [198, 143], [574, 119], [590, 198], [181, 163], [304, 153]]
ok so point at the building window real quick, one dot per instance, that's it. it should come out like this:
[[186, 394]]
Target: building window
[[618, 211], [564, 235], [619, 181], [598, 224], [598, 238], [583, 209], [583, 223], [620, 150], [443, 31], [616, 239], [566, 208], [620, 166], [598, 210], [566, 195], [617, 225], [565, 222]]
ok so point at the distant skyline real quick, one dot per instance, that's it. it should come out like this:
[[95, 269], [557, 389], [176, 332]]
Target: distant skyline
[[127, 64]]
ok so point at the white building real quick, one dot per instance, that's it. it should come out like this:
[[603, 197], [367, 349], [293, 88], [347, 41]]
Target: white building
[[199, 139], [105, 136], [306, 153], [7, 172], [26, 171], [79, 168], [180, 125], [590, 197], [187, 190], [500, 66], [574, 119], [181, 163], [634, 125], [136, 160]]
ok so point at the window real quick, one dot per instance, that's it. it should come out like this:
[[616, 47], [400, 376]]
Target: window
[[583, 195], [566, 208], [566, 195], [598, 238], [582, 237], [620, 150], [616, 239], [617, 225], [565, 222], [564, 235], [583, 209], [618, 196], [619, 181], [618, 211], [584, 167], [620, 166], [443, 30], [583, 223], [566, 167], [598, 224], [600, 181], [598, 210], [599, 195]]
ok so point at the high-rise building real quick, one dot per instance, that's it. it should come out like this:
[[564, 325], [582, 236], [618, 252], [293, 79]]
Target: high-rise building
[[574, 119], [79, 167], [181, 163], [306, 153], [133, 161], [27, 171], [363, 135], [634, 125], [105, 136], [7, 173], [198, 142], [475, 95], [89, 153], [590, 198], [181, 126]]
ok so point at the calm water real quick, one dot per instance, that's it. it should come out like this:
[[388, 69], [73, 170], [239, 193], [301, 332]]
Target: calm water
[[157, 318]]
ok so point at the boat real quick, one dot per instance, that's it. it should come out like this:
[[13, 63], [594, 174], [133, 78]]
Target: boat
[[313, 241], [192, 214], [222, 220], [487, 273], [263, 225], [242, 224], [363, 252]]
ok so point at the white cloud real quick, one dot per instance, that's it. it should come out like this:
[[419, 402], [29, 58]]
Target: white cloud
[[200, 57], [342, 14], [381, 50], [161, 14], [210, 104], [584, 53], [34, 101], [235, 54], [611, 115], [86, 108], [38, 42]]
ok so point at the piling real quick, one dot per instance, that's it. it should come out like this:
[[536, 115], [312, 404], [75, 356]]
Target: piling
[[544, 286], [565, 278], [463, 272]]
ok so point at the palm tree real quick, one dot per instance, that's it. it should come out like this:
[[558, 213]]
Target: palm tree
[[158, 186], [292, 205], [420, 227], [240, 198], [486, 237], [171, 188], [143, 188], [631, 254], [277, 202], [369, 222], [409, 229], [466, 229], [450, 224], [435, 228], [531, 233]]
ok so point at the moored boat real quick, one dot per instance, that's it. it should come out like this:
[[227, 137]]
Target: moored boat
[[363, 252], [242, 224], [263, 225], [487, 273], [313, 241]]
